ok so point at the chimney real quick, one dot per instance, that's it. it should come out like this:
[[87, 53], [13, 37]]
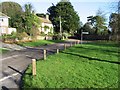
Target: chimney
[[47, 16]]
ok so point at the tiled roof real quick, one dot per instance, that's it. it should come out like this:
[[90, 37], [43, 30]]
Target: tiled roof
[[45, 20], [3, 15]]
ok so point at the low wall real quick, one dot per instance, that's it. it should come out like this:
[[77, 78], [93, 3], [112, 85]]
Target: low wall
[[26, 39]]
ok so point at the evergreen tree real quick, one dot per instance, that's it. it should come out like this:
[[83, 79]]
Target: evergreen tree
[[98, 22], [113, 23]]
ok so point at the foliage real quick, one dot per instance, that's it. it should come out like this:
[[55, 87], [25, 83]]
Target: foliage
[[13, 35], [41, 15], [24, 21], [46, 27], [92, 65], [31, 21], [114, 25], [69, 17], [65, 35], [19, 22], [99, 23], [87, 28], [58, 36]]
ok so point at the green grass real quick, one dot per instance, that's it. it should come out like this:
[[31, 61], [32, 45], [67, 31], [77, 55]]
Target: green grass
[[93, 65], [2, 50], [39, 42]]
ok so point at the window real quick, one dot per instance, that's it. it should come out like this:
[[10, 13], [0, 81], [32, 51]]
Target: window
[[1, 20]]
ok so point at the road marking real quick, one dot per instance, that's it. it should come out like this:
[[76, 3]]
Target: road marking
[[10, 57], [8, 77]]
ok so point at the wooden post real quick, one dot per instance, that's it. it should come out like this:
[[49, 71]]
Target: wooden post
[[34, 67], [75, 42], [57, 51], [71, 44], [64, 46], [44, 54]]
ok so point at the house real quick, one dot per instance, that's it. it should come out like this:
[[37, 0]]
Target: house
[[4, 25], [46, 25]]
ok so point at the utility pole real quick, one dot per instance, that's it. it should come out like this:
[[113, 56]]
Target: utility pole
[[60, 25], [118, 21]]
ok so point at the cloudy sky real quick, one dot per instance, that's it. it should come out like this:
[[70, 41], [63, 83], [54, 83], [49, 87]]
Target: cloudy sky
[[84, 8]]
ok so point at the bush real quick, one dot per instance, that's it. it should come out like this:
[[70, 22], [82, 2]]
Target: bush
[[57, 37]]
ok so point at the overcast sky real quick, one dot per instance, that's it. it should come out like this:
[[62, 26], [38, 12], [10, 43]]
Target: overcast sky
[[84, 8]]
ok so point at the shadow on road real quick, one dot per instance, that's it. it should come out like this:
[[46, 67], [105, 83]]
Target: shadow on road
[[15, 70], [12, 79], [4, 88]]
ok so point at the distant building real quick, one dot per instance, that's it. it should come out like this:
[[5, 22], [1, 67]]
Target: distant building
[[46, 25], [4, 25]]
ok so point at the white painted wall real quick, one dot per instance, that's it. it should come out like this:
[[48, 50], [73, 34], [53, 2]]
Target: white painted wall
[[6, 30], [4, 22], [3, 29], [10, 30]]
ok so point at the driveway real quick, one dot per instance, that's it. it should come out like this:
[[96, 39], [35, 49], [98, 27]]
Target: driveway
[[14, 63]]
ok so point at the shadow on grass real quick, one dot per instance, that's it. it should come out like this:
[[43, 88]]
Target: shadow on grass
[[99, 49], [21, 84], [105, 44], [56, 41], [90, 58]]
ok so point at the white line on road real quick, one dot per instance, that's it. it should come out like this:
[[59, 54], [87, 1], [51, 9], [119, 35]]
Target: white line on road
[[10, 57], [8, 77]]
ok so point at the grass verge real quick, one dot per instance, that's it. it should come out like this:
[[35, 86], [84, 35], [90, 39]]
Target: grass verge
[[2, 50], [39, 42], [92, 65]]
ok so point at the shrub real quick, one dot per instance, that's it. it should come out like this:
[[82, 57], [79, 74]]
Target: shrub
[[65, 35], [20, 36]]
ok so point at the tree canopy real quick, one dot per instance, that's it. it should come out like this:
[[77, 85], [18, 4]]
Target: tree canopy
[[69, 17], [11, 9], [99, 23]]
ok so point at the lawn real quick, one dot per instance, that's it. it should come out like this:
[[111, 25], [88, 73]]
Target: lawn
[[92, 65], [39, 42], [2, 50]]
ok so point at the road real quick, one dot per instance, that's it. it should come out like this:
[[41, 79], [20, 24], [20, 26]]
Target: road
[[14, 63]]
